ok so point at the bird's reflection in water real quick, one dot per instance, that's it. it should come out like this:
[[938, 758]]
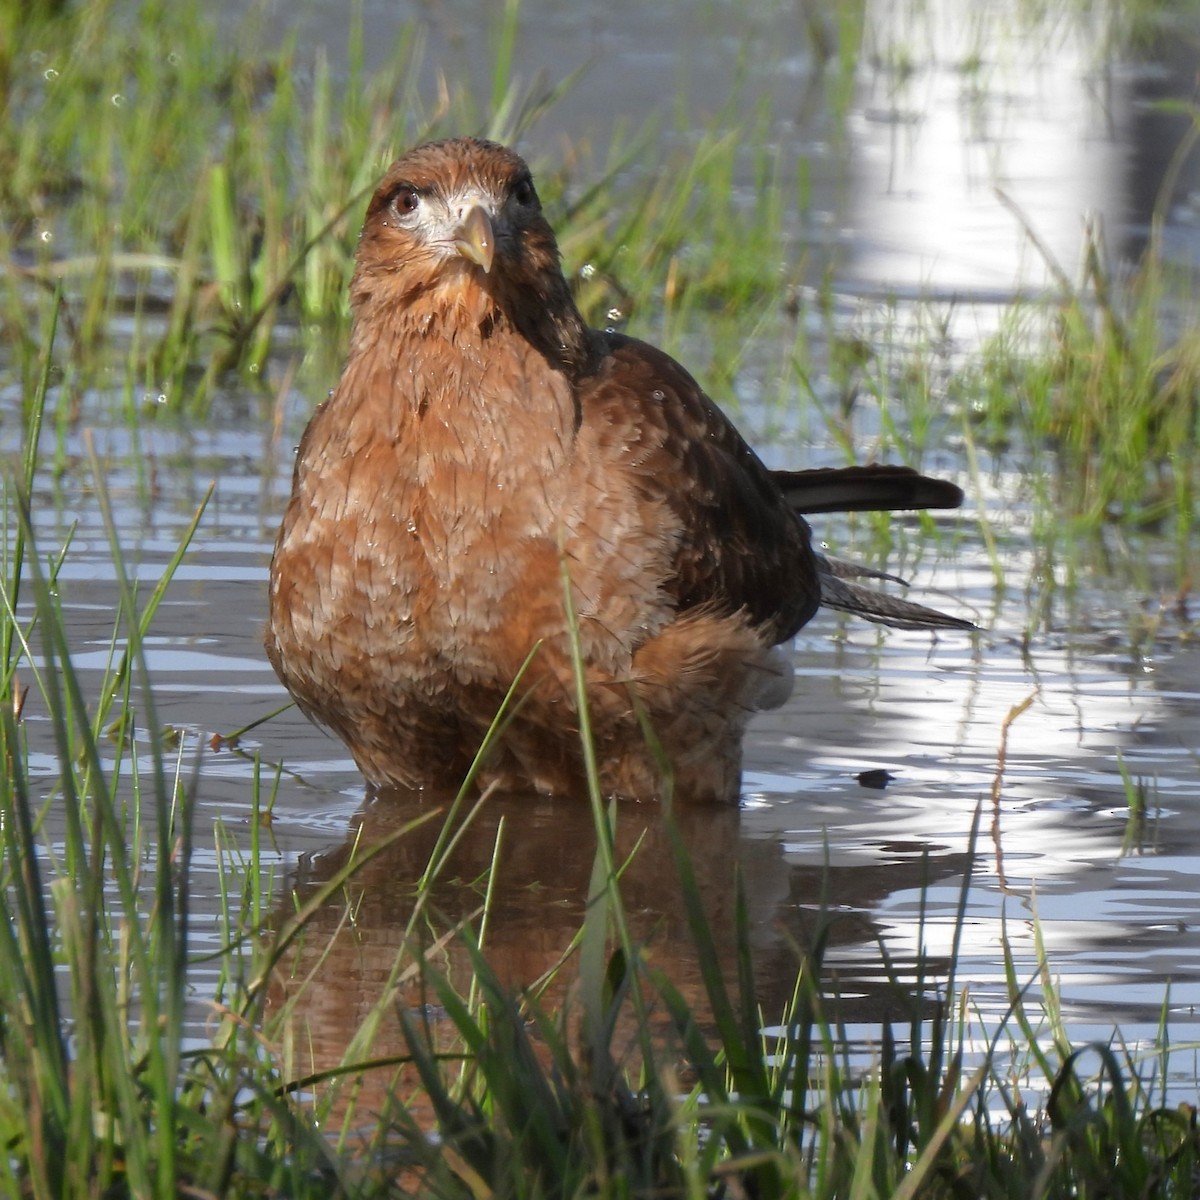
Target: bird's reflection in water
[[536, 856]]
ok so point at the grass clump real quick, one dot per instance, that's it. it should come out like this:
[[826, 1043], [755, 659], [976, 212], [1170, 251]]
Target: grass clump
[[101, 1094], [159, 172], [531, 1102], [1106, 378]]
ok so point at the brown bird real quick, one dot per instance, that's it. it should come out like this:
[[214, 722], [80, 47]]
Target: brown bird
[[484, 446]]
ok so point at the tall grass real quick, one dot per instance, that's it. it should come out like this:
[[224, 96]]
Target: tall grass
[[1107, 379], [156, 169]]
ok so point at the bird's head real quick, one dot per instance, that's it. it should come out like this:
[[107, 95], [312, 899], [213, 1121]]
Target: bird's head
[[457, 211], [459, 222]]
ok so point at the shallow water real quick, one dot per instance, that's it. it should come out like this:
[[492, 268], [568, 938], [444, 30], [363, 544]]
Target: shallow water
[[1116, 900]]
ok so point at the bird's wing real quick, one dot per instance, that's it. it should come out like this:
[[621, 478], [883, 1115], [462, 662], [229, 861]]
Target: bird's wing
[[740, 546]]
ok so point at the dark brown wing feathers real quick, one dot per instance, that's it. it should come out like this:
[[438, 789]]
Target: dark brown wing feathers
[[740, 547]]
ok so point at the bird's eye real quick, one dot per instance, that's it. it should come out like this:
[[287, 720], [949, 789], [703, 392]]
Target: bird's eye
[[524, 192], [406, 200]]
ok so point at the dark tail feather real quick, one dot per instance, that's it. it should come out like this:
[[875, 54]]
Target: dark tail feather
[[837, 592], [843, 568], [878, 487], [873, 488]]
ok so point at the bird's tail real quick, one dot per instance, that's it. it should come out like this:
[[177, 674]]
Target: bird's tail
[[838, 591], [877, 487]]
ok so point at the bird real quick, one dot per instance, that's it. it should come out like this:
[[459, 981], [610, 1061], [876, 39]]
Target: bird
[[500, 510]]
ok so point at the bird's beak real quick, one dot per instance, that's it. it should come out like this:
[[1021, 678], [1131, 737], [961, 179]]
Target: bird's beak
[[475, 238]]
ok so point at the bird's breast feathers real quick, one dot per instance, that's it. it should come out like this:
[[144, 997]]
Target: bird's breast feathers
[[490, 487]]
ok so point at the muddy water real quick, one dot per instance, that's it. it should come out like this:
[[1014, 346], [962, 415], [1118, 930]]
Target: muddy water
[[903, 201]]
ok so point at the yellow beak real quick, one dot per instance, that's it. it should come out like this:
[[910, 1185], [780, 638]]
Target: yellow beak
[[475, 238]]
